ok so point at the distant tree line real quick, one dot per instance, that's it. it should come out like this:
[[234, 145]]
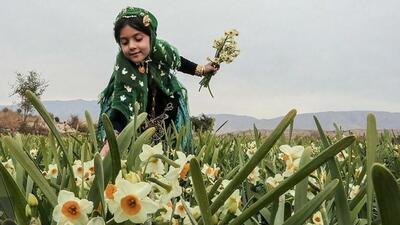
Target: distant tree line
[[202, 123]]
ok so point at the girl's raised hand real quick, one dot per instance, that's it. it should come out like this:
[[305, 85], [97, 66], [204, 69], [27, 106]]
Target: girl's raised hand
[[211, 68]]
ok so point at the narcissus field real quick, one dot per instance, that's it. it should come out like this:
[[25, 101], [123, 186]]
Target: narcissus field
[[233, 179]]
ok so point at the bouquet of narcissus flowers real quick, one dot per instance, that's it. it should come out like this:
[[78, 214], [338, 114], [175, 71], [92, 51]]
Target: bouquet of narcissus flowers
[[226, 51]]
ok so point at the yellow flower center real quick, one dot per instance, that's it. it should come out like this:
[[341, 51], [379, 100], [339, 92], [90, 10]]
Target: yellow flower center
[[185, 170], [110, 190], [131, 205], [71, 210]]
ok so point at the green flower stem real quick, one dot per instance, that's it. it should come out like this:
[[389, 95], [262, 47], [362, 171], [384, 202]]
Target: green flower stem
[[165, 159], [387, 194], [114, 151], [342, 206], [10, 192], [187, 210], [372, 144], [214, 188], [92, 133], [200, 191], [99, 173], [167, 187], [228, 217]]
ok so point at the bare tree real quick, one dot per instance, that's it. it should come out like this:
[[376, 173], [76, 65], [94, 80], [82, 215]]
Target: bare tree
[[31, 82]]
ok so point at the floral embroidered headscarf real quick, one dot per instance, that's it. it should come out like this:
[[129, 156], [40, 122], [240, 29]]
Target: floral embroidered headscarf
[[129, 81]]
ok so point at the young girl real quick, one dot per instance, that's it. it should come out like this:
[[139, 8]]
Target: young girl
[[144, 72]]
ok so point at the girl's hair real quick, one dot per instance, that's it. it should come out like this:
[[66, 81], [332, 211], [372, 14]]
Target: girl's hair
[[134, 22]]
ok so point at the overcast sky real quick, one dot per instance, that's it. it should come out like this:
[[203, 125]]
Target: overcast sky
[[312, 55]]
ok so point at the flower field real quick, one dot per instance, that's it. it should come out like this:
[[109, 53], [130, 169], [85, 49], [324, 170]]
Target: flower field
[[226, 179]]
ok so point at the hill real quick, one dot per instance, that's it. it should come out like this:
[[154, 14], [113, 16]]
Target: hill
[[354, 120]]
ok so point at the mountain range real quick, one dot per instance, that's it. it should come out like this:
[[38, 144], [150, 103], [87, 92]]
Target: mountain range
[[353, 120]]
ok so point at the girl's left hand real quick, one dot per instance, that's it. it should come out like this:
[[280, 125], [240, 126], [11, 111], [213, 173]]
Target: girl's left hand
[[211, 68]]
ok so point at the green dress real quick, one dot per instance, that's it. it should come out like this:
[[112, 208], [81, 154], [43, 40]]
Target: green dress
[[129, 82]]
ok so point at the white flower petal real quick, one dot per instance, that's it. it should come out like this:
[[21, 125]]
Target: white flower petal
[[149, 206], [64, 196], [86, 206], [140, 217], [141, 189], [57, 213], [120, 216], [285, 149]]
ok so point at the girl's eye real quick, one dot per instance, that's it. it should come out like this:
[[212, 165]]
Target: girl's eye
[[139, 39]]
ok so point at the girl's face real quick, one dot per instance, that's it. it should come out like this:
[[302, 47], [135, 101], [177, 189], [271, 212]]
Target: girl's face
[[134, 44]]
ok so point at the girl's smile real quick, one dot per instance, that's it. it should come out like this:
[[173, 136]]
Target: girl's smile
[[134, 44]]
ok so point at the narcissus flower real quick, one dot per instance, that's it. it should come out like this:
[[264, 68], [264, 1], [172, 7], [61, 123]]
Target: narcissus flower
[[232, 203], [209, 171], [180, 209], [53, 171], [341, 156], [291, 156], [183, 162], [109, 193], [9, 165], [294, 152], [273, 182], [33, 152], [317, 218], [251, 149], [154, 165], [354, 190], [170, 179], [71, 210], [134, 205], [78, 169], [254, 176]]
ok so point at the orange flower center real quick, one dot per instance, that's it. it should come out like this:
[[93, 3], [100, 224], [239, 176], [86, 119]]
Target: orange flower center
[[130, 204], [54, 171], [185, 170], [169, 204], [79, 170], [154, 160], [71, 210], [180, 208], [210, 170], [285, 157], [317, 219], [110, 190], [92, 170]]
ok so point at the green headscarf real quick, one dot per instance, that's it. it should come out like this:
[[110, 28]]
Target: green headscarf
[[129, 84]]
